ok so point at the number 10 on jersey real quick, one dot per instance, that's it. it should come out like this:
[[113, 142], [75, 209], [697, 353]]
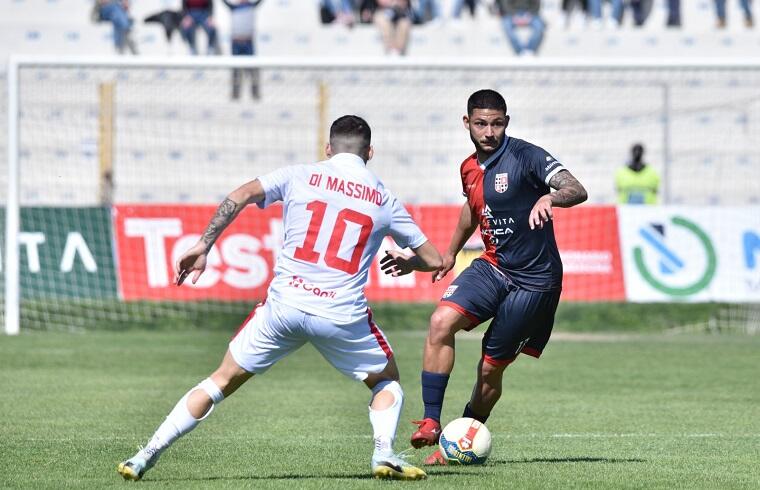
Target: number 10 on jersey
[[306, 251]]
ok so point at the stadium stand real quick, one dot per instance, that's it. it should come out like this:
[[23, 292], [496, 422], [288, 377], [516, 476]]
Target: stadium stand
[[210, 129], [64, 27]]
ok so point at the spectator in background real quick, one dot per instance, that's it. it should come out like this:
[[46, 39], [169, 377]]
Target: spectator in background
[[456, 10], [116, 12], [522, 13], [594, 11], [367, 11], [340, 10], [720, 10], [674, 13], [427, 11], [637, 182], [394, 19], [243, 35], [197, 13], [570, 6], [640, 8]]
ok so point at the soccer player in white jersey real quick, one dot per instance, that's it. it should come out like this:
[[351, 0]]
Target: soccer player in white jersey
[[336, 215]]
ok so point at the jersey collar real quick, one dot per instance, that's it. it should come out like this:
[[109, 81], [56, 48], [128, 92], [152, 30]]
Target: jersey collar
[[348, 158], [497, 154]]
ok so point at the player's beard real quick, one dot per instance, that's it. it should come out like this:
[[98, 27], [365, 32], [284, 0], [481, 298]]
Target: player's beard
[[479, 146]]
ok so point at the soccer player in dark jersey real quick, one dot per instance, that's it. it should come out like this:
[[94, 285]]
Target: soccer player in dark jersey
[[516, 282]]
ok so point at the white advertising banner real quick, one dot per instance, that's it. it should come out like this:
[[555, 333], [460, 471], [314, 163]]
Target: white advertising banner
[[686, 253]]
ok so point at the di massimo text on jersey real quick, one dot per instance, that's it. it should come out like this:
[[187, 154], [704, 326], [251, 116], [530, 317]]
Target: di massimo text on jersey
[[347, 188]]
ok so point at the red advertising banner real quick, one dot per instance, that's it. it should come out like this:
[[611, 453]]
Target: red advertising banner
[[150, 238], [588, 241]]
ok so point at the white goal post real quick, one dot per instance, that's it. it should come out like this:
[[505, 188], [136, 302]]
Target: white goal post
[[90, 139]]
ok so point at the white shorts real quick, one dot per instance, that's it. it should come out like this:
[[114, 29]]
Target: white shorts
[[274, 330]]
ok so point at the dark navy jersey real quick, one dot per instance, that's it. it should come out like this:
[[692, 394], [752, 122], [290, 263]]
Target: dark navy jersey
[[501, 192]]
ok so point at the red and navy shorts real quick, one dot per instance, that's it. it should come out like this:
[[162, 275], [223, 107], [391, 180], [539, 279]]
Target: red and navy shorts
[[522, 320]]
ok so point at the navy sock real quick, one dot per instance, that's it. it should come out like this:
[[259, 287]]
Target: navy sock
[[469, 413], [433, 389]]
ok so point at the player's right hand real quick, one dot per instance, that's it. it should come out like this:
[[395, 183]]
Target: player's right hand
[[449, 261], [194, 260], [396, 264]]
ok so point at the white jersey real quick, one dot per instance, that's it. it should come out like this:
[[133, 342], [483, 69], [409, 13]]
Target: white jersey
[[335, 217]]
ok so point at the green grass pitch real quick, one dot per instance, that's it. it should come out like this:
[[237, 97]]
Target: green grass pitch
[[645, 411]]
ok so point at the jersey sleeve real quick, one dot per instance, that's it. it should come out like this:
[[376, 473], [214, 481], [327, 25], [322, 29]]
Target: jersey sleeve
[[542, 165], [403, 229], [276, 185], [464, 174]]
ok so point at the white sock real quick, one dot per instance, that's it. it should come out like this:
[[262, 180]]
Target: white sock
[[384, 422], [179, 422]]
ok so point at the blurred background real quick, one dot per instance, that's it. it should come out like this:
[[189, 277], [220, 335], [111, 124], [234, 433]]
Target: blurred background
[[135, 120]]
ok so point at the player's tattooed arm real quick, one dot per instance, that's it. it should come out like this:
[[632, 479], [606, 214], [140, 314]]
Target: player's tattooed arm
[[224, 215], [230, 208], [569, 191], [194, 260]]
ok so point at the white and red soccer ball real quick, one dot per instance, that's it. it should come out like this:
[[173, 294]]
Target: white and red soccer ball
[[465, 441]]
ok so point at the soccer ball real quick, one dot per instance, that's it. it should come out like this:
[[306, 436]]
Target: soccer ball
[[465, 441]]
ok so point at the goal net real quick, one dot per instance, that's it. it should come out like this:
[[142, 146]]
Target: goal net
[[121, 164]]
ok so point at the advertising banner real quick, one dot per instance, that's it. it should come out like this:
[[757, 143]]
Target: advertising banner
[[65, 252], [588, 243], [150, 238], [684, 253]]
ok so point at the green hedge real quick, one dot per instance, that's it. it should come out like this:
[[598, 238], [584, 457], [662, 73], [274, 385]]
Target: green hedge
[[83, 315]]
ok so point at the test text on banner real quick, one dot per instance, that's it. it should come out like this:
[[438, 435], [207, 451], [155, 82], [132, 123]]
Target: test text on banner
[[150, 238]]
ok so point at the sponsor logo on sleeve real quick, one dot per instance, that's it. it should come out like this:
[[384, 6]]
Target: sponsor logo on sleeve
[[551, 163]]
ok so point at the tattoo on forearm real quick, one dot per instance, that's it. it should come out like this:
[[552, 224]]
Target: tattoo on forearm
[[569, 191], [224, 215]]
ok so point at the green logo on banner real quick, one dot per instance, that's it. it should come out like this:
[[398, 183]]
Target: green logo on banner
[[670, 257]]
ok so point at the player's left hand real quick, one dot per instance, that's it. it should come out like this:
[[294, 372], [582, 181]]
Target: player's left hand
[[541, 212], [396, 264]]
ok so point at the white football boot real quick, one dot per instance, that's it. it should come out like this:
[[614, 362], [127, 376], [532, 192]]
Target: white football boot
[[393, 467], [135, 467]]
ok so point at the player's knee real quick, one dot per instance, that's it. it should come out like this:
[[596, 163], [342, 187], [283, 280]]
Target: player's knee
[[441, 327], [390, 386], [209, 388], [492, 371]]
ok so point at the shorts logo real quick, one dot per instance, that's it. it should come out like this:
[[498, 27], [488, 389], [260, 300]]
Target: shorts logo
[[449, 291], [501, 183], [521, 345]]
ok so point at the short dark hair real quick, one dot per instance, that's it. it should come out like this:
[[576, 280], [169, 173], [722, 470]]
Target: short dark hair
[[350, 134], [486, 99], [637, 152]]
